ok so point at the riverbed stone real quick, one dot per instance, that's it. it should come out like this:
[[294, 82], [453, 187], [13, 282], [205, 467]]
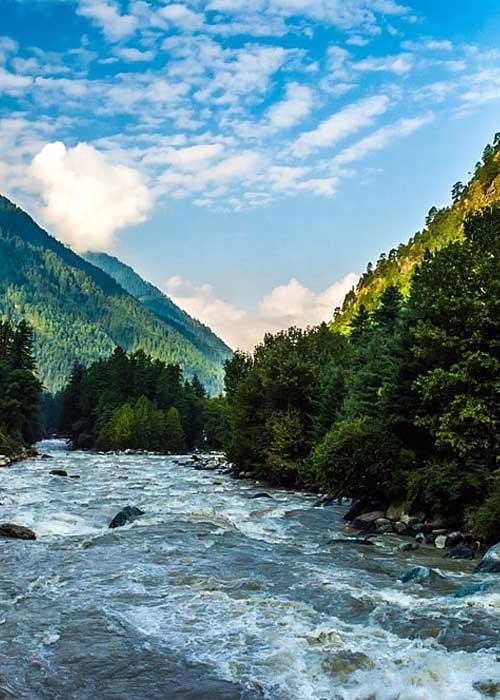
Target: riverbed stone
[[440, 542], [261, 494], [490, 563], [420, 574], [420, 538], [400, 528], [58, 472], [395, 511], [454, 538], [126, 515], [345, 663], [383, 525], [18, 532], [460, 551], [408, 546], [367, 521]]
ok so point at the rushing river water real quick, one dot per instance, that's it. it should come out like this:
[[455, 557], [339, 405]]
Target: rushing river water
[[215, 595]]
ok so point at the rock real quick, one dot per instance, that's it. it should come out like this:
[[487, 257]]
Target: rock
[[460, 551], [367, 521], [383, 525], [326, 500], [454, 538], [400, 528], [408, 546], [409, 520], [443, 531], [74, 476], [490, 563], [261, 494], [358, 508], [59, 472], [440, 542], [18, 532], [126, 515], [351, 540], [418, 527], [420, 538], [472, 589], [419, 574], [429, 538], [345, 663], [395, 511], [47, 457]]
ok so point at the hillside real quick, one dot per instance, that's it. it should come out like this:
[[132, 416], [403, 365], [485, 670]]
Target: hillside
[[442, 227], [78, 312], [160, 304]]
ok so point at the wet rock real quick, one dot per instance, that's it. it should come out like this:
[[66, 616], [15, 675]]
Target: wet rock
[[401, 528], [74, 476], [345, 663], [488, 689], [326, 500], [472, 589], [440, 542], [367, 521], [47, 457], [420, 538], [409, 520], [261, 494], [460, 551], [395, 511], [126, 515], [58, 472], [408, 546], [359, 507], [454, 538], [351, 540], [18, 532], [490, 563], [418, 527], [420, 574], [383, 525], [429, 538]]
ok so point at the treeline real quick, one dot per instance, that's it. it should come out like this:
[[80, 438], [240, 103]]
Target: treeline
[[404, 408], [134, 402], [20, 389]]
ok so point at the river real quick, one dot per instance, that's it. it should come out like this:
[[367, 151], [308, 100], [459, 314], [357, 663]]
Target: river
[[215, 595]]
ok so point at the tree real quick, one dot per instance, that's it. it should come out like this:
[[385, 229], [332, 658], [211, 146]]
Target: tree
[[174, 434], [457, 191]]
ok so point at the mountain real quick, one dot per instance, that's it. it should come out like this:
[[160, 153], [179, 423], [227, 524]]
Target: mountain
[[80, 314], [442, 227], [160, 304]]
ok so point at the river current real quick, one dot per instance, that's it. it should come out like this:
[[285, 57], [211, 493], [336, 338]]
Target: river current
[[216, 595]]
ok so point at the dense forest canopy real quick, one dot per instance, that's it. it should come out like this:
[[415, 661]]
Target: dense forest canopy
[[20, 390], [442, 226], [404, 408], [135, 402], [81, 314]]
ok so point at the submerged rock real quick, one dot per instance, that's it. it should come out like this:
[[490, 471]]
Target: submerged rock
[[261, 494], [126, 515], [420, 574], [59, 472], [408, 546], [18, 532], [383, 525], [345, 663], [351, 540], [490, 563], [460, 551], [472, 589]]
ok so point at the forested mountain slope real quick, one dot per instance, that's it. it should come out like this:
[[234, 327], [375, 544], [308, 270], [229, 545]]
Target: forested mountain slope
[[442, 227], [77, 311], [160, 304]]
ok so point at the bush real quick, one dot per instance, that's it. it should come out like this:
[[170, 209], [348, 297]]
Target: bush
[[361, 459], [484, 522]]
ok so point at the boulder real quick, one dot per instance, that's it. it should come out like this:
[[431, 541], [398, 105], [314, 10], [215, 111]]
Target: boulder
[[396, 511], [359, 507], [126, 515], [460, 551], [401, 528], [343, 664], [429, 538], [409, 520], [440, 542], [383, 525], [419, 574], [59, 472], [325, 500], [261, 494], [47, 457], [351, 540], [420, 538], [472, 589], [408, 546], [367, 521], [418, 527], [454, 538], [490, 563], [18, 532]]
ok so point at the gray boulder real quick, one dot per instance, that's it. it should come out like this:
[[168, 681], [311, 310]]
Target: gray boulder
[[367, 521], [490, 563], [408, 546], [460, 551], [126, 515], [59, 472], [17, 532], [420, 574], [383, 525]]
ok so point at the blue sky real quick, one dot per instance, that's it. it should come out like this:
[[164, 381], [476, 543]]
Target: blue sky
[[247, 156]]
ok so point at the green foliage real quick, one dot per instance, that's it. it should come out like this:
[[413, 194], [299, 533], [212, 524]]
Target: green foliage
[[20, 389], [135, 402], [80, 314], [407, 407]]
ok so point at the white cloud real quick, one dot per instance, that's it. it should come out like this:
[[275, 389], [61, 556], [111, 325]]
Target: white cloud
[[181, 16], [134, 55], [7, 47], [381, 138], [106, 14], [12, 84], [291, 304], [345, 122], [296, 106], [87, 198], [399, 64]]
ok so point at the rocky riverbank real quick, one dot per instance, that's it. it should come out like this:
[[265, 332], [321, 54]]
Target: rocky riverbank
[[19, 456]]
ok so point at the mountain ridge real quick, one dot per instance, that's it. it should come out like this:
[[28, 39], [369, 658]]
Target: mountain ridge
[[78, 312]]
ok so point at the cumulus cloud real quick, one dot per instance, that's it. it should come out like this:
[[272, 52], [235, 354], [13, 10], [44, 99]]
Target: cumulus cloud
[[291, 304], [296, 106], [88, 198], [399, 64], [106, 15], [344, 123]]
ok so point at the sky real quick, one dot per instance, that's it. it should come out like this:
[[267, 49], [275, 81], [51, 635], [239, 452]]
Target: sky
[[249, 157]]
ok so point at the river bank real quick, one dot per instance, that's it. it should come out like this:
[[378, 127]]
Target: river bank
[[18, 456]]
